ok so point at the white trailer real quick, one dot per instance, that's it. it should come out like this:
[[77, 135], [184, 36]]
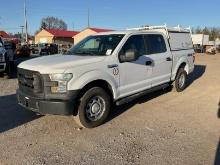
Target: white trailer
[[200, 39]]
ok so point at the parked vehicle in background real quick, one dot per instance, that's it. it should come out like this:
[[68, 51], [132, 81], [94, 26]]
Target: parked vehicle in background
[[23, 51], [34, 48], [200, 41], [63, 48], [3, 54], [10, 47], [106, 68], [48, 49], [211, 50]]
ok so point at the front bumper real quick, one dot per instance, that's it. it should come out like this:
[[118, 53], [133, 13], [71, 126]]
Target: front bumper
[[2, 66], [43, 106]]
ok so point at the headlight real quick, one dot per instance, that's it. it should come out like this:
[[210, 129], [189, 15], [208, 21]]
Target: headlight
[[2, 58], [62, 80]]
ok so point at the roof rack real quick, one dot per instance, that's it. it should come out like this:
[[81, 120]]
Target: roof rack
[[177, 28]]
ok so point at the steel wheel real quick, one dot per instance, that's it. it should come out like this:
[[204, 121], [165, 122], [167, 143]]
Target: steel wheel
[[95, 108]]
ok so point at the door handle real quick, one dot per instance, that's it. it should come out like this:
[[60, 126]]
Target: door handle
[[148, 63], [113, 66], [168, 59]]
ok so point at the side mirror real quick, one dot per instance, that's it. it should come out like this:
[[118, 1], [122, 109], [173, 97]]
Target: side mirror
[[130, 55]]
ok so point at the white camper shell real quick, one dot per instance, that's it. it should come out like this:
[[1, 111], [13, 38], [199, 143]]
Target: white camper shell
[[179, 38]]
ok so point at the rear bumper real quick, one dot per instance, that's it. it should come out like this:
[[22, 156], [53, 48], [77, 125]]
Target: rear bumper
[[54, 107], [2, 66]]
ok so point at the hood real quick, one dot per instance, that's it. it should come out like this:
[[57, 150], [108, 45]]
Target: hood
[[58, 63]]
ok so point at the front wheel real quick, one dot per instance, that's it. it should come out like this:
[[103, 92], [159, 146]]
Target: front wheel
[[180, 81], [93, 108]]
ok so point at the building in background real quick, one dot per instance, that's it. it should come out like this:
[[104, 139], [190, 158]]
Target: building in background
[[7, 37], [55, 36], [87, 32], [3, 34]]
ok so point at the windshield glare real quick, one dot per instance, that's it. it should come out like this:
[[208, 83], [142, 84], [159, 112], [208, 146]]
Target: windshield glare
[[99, 45]]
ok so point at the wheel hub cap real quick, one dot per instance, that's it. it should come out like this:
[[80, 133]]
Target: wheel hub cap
[[95, 108]]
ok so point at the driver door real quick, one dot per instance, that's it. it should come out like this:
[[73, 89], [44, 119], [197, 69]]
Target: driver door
[[135, 75]]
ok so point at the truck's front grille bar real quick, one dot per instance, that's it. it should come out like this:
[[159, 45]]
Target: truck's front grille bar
[[29, 81]]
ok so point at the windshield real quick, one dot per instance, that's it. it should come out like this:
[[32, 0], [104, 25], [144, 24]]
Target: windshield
[[99, 45]]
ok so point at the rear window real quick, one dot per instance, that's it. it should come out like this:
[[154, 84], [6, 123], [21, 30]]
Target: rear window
[[180, 41], [155, 44]]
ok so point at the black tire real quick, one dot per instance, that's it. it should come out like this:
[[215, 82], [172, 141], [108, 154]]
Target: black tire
[[180, 81], [94, 99]]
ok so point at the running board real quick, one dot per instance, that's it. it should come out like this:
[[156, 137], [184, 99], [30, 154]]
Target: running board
[[137, 95]]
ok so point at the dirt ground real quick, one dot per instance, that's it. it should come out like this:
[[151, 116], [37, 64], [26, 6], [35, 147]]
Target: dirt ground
[[161, 128]]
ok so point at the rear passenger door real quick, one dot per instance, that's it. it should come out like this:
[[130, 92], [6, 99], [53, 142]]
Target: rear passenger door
[[158, 51]]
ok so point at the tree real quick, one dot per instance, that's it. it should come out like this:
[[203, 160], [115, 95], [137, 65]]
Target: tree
[[206, 31], [43, 25], [53, 23], [213, 32], [198, 30]]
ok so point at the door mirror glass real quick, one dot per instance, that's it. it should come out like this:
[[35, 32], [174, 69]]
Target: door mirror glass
[[129, 56]]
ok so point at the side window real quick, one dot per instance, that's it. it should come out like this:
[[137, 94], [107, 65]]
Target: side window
[[136, 43], [155, 44]]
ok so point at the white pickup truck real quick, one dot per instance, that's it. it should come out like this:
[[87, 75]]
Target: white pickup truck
[[106, 68]]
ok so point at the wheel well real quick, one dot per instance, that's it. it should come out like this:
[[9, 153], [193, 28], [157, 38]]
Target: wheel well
[[97, 83], [184, 66]]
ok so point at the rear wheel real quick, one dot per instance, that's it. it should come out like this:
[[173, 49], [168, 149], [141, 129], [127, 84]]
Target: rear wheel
[[180, 81], [93, 108]]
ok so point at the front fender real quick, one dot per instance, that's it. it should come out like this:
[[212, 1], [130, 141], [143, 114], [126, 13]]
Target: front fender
[[91, 76]]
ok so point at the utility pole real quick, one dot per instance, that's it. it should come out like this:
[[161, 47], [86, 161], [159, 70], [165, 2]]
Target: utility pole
[[88, 18], [25, 22], [22, 33]]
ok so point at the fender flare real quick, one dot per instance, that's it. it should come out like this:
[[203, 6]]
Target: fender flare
[[91, 76]]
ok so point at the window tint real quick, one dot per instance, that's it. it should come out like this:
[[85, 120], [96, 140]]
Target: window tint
[[136, 43], [155, 44]]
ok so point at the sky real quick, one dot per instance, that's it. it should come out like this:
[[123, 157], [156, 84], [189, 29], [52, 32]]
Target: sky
[[110, 14]]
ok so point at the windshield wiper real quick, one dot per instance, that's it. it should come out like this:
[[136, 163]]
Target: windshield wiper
[[83, 53]]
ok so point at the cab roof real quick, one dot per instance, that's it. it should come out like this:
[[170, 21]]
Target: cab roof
[[125, 32]]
